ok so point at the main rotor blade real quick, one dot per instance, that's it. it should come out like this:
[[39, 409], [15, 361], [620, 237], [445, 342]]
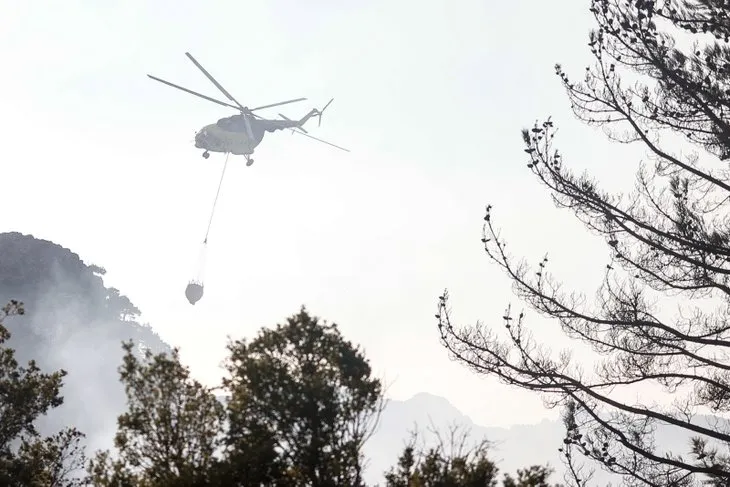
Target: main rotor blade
[[323, 141], [194, 92], [218, 85], [277, 104]]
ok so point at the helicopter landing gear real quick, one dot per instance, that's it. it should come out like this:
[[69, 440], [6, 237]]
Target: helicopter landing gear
[[206, 155], [249, 161]]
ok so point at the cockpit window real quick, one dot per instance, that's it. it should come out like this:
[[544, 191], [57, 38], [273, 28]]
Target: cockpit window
[[227, 123]]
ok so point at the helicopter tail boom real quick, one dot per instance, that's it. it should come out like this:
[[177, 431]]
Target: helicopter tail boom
[[296, 125], [312, 113]]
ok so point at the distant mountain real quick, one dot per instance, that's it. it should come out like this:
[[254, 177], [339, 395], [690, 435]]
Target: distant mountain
[[515, 447]]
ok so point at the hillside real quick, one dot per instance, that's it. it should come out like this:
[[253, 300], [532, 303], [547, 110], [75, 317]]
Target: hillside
[[72, 321]]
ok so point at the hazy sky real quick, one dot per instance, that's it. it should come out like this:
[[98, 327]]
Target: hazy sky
[[430, 96]]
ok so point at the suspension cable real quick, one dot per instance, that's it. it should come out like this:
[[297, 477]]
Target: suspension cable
[[215, 201]]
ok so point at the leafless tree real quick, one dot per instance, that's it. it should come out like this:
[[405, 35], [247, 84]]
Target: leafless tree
[[668, 239]]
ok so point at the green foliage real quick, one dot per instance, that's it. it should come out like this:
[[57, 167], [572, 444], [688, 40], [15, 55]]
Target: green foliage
[[26, 393], [302, 404], [534, 476], [453, 463], [171, 431], [57, 461], [434, 468]]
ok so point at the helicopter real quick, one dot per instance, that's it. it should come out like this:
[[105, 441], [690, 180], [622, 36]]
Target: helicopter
[[240, 134]]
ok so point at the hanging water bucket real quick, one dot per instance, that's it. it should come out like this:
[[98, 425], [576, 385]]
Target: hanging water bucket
[[194, 292]]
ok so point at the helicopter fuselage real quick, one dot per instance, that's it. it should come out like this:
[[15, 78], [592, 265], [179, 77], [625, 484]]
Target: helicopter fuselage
[[230, 135]]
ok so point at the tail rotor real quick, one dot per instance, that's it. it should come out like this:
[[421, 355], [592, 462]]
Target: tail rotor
[[320, 112]]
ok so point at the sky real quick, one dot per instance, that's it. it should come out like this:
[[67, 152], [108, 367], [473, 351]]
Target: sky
[[430, 98]]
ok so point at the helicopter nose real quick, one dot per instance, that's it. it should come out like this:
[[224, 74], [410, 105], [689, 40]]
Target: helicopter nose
[[200, 139]]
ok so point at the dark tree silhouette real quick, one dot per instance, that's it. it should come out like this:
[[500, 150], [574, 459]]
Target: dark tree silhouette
[[453, 461], [668, 239], [457, 461], [300, 402], [26, 393], [170, 432], [303, 402]]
